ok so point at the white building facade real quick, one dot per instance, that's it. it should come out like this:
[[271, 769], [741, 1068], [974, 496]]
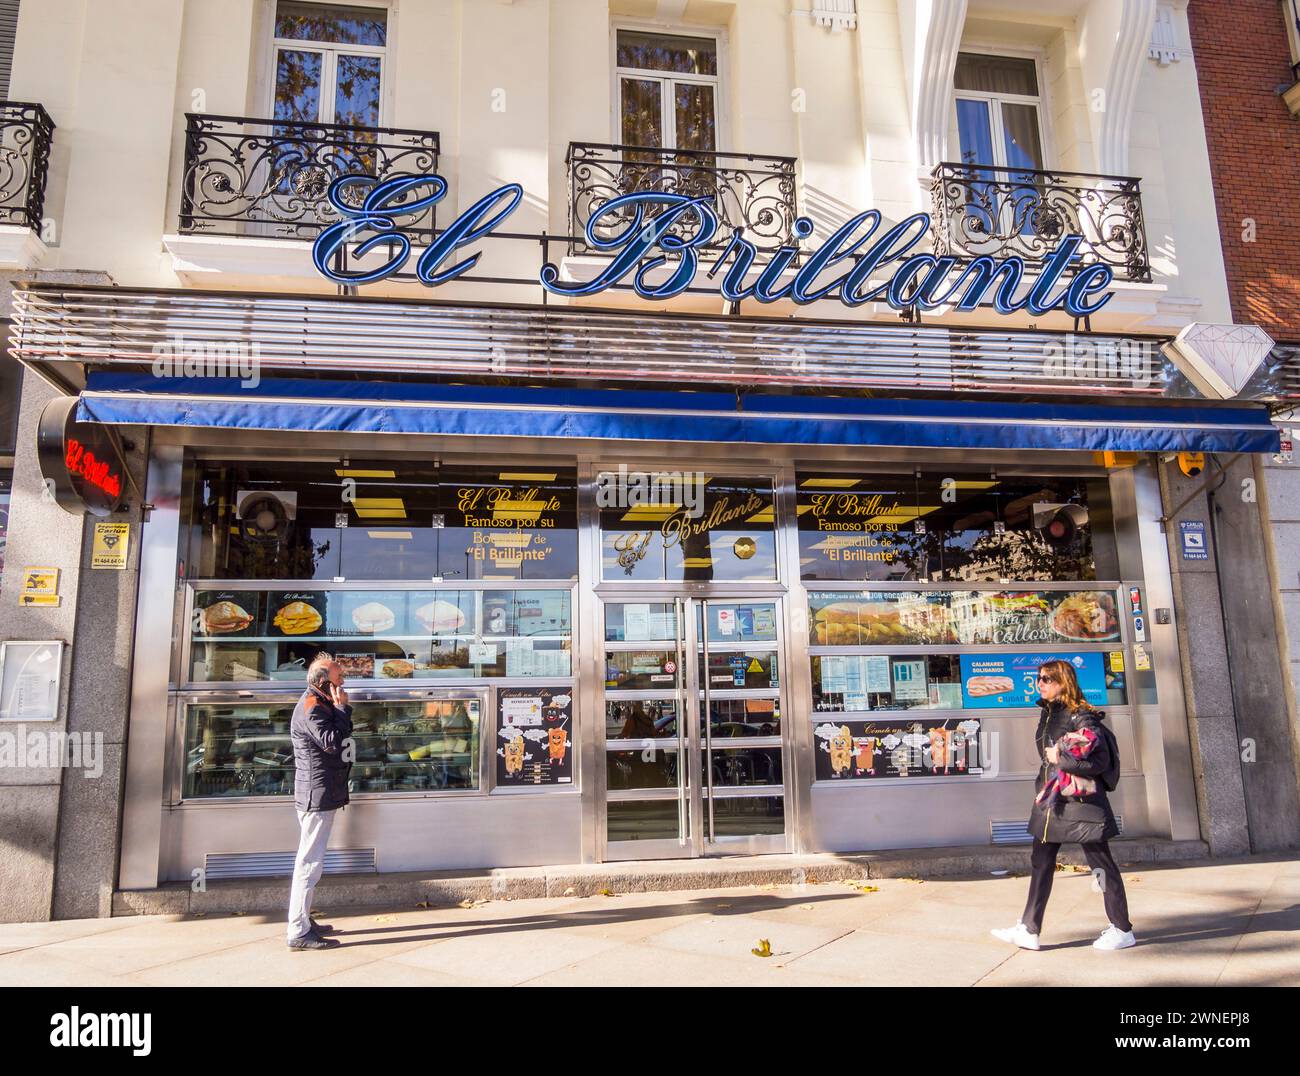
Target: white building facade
[[752, 543]]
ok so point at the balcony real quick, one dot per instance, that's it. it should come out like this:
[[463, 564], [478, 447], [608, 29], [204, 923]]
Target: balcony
[[1000, 212], [749, 191], [270, 178], [26, 132]]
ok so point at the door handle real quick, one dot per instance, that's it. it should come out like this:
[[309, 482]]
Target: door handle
[[708, 709], [679, 642]]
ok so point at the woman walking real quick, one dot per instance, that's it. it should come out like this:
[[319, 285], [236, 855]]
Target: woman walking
[[1079, 765]]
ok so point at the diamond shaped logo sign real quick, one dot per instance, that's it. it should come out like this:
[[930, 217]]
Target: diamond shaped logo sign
[[1219, 359]]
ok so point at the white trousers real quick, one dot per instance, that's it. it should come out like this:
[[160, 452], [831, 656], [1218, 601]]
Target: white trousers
[[315, 829]]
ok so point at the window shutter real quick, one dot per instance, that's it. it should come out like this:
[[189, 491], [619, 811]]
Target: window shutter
[[8, 31]]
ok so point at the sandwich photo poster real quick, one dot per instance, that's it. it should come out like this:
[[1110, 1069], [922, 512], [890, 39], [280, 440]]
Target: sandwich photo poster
[[862, 750], [228, 613], [534, 745], [1007, 681]]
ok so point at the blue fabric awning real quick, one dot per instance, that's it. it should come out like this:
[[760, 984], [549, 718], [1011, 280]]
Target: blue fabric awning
[[619, 414]]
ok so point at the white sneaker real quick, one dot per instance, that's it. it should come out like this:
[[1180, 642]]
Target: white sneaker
[[1114, 938], [1017, 935]]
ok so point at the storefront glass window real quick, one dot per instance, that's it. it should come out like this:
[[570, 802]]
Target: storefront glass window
[[381, 635], [401, 745], [686, 527], [384, 520], [953, 527], [6, 495], [11, 383]]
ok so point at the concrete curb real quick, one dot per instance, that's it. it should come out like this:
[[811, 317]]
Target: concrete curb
[[584, 880]]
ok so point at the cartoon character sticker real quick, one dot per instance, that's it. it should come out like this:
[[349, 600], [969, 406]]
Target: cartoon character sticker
[[841, 748], [514, 755], [557, 742]]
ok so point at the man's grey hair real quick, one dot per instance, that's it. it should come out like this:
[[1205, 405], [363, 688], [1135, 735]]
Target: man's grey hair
[[319, 670]]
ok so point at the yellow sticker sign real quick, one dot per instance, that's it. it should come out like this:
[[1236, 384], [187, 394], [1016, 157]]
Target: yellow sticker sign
[[112, 540], [40, 581], [25, 599], [1116, 661]]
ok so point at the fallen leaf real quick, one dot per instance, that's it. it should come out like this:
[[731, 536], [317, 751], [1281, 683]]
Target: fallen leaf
[[764, 948], [570, 891], [806, 907], [608, 893], [1078, 869], [867, 888], [466, 903], [383, 919], [423, 904]]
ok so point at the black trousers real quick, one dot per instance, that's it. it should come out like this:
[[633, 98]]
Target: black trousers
[[1099, 858]]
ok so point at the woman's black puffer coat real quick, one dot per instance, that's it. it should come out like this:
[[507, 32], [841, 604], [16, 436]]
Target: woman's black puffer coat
[[1074, 821]]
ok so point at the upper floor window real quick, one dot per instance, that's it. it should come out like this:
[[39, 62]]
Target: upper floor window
[[668, 89], [998, 121], [329, 63]]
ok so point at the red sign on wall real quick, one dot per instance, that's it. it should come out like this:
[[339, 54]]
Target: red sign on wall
[[80, 461]]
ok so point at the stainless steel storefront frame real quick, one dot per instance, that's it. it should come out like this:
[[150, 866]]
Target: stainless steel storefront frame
[[165, 840]]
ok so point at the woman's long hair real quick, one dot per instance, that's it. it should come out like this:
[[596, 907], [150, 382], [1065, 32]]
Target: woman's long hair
[[1071, 694]]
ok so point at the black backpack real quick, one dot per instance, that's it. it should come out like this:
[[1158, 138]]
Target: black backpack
[[1110, 778]]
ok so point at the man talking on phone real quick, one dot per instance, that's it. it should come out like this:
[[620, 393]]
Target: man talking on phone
[[322, 740]]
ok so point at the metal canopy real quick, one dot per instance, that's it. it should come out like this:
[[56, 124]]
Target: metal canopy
[[66, 328], [62, 330]]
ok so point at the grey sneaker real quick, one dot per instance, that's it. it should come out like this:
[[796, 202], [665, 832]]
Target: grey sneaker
[[312, 940]]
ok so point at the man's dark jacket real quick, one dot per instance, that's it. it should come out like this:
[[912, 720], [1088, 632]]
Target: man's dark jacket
[[320, 732], [1088, 818]]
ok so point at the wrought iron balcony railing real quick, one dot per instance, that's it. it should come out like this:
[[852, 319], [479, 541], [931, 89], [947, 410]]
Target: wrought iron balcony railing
[[258, 177], [749, 191], [1016, 211], [26, 132]]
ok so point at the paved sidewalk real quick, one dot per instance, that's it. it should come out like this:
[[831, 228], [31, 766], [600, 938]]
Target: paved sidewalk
[[1213, 922]]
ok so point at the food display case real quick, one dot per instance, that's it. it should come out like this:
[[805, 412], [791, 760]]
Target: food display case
[[405, 744]]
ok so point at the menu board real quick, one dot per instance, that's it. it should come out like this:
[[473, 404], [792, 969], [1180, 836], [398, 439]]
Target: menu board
[[962, 617], [1004, 681], [533, 741], [861, 750]]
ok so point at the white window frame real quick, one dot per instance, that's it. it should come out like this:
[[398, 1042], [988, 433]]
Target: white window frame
[[329, 65], [668, 112], [995, 101]]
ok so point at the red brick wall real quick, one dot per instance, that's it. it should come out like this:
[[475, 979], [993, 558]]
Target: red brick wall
[[1242, 57]]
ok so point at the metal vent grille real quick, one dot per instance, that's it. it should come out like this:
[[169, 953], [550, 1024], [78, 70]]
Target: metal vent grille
[[273, 864], [1017, 832]]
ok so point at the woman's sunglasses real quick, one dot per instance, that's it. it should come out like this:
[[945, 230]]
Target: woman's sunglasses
[[1046, 679]]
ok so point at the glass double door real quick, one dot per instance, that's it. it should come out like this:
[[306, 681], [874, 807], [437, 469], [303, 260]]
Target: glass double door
[[695, 760]]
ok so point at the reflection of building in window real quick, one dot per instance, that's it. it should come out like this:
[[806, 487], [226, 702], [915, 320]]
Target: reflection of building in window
[[5, 496]]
